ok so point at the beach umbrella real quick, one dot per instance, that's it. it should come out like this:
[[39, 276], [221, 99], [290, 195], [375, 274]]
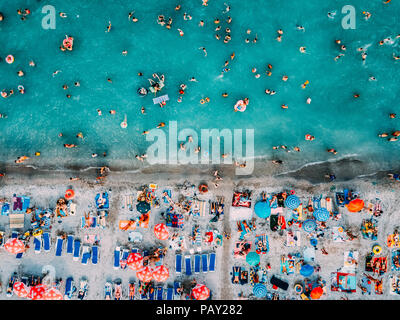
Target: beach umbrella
[[306, 270], [292, 202], [37, 292], [316, 293], [355, 205], [200, 292], [160, 273], [143, 207], [313, 242], [52, 294], [309, 225], [262, 209], [161, 231], [20, 289], [321, 214], [259, 290], [252, 258], [14, 245], [135, 261], [145, 275]]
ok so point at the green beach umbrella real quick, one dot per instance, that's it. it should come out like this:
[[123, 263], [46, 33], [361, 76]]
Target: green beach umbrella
[[252, 258]]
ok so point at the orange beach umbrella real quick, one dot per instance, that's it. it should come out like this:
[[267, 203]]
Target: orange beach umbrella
[[145, 275], [316, 293], [161, 231], [355, 205], [20, 289], [160, 273], [200, 292], [14, 245], [53, 294], [135, 261]]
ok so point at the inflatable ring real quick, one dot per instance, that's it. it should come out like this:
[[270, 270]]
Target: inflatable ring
[[10, 59], [69, 194], [298, 288], [203, 188], [340, 229], [376, 249], [37, 232], [202, 101]]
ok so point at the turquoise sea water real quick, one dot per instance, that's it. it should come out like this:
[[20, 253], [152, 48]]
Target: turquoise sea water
[[334, 117]]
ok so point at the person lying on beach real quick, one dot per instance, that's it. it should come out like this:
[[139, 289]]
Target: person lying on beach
[[21, 159]]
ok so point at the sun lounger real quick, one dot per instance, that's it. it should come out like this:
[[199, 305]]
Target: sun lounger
[[211, 266], [135, 250], [99, 204], [117, 255], [95, 255], [188, 265], [124, 257], [204, 262], [59, 245], [69, 288], [85, 254], [170, 293], [77, 250], [197, 261], [70, 244], [160, 293], [177, 295], [37, 242], [178, 263], [46, 241], [151, 293]]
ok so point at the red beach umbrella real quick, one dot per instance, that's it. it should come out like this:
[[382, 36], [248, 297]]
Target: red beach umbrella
[[355, 205], [200, 292], [160, 273], [53, 294], [20, 289], [316, 293], [135, 261], [37, 292], [14, 245], [145, 275], [161, 231]]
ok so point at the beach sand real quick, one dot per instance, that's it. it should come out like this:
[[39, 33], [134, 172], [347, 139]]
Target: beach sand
[[45, 187]]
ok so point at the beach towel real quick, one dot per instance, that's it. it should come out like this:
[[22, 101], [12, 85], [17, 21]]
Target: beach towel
[[241, 199], [5, 209], [102, 201], [198, 208], [393, 240], [241, 249], [394, 281], [365, 285], [293, 239], [396, 260], [261, 244], [339, 235], [343, 282], [350, 261], [127, 225]]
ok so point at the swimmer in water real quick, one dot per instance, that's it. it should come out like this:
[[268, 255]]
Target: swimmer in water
[[20, 73], [383, 135], [396, 57], [56, 72], [21, 159], [94, 155], [80, 135], [372, 78], [204, 50], [332, 151], [285, 78], [180, 32], [125, 52], [160, 125], [32, 63], [193, 79], [392, 115], [332, 14], [228, 20], [232, 55], [301, 28], [302, 49], [227, 8], [63, 15], [109, 26], [224, 94], [143, 110], [99, 112], [77, 84], [178, 7], [145, 132], [201, 23], [112, 112], [69, 145]]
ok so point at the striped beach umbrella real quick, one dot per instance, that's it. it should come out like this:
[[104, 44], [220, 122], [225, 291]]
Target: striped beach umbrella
[[160, 273], [20, 289], [321, 214], [309, 225], [260, 290], [14, 245], [262, 209], [145, 275], [161, 231], [135, 261], [292, 202], [200, 292]]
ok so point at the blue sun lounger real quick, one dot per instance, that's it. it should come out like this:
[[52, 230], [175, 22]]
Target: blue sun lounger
[[204, 262], [178, 263], [77, 250], [85, 255], [59, 245], [177, 285], [151, 294], [37, 242], [95, 254], [211, 266], [69, 288], [70, 244], [197, 261], [160, 293], [46, 241], [117, 257], [124, 257], [170, 293], [188, 265]]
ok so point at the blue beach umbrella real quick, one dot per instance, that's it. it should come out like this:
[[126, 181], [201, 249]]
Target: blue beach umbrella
[[259, 290], [262, 209], [306, 270], [292, 202], [321, 214], [309, 225], [313, 242], [252, 258]]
